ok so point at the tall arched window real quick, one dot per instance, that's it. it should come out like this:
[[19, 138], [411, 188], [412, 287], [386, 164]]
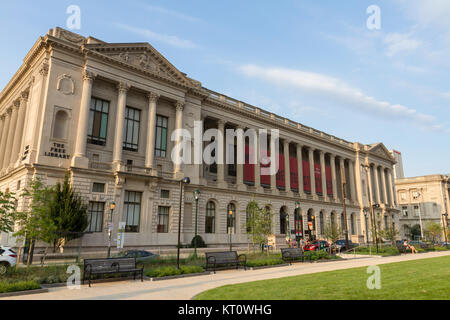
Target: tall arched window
[[231, 217], [210, 221], [321, 222], [283, 221], [61, 125], [342, 223], [333, 220], [353, 229]]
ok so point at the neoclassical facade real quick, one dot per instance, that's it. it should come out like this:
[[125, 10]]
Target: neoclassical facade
[[105, 112], [422, 200]]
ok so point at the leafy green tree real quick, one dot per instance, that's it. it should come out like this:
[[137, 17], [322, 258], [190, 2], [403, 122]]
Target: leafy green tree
[[332, 232], [68, 213], [259, 223], [8, 214], [433, 231], [390, 234]]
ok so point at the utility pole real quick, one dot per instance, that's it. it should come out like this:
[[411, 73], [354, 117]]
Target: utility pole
[[344, 183]]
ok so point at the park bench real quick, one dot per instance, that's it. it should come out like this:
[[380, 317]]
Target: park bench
[[292, 254], [111, 266], [403, 249], [228, 258]]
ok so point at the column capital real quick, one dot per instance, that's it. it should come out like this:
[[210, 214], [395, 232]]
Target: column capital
[[9, 110], [16, 104], [221, 122], [286, 142], [44, 69], [88, 75], [179, 105], [153, 97], [123, 87], [24, 95]]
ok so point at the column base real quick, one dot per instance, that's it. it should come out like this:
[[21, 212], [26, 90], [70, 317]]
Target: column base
[[242, 187], [222, 184], [80, 162]]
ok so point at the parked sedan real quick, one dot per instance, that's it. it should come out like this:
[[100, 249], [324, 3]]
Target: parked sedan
[[316, 245], [8, 258], [140, 255], [342, 245]]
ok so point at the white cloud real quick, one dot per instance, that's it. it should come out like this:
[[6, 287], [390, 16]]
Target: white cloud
[[428, 12], [154, 36], [339, 91], [172, 13], [400, 42]]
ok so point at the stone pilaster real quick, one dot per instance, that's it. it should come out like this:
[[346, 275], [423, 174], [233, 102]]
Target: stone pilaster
[[151, 131], [178, 167], [333, 176], [287, 166], [301, 189], [323, 175], [4, 137], [18, 137], [312, 172], [120, 119]]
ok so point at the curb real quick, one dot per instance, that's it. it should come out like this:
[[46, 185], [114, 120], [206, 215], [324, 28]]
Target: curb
[[23, 293], [268, 267], [180, 276]]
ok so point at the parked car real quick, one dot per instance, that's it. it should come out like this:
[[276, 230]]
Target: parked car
[[316, 245], [140, 255], [8, 258], [342, 245]]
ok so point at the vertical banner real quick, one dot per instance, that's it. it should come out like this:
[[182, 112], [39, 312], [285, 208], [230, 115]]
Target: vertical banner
[[249, 169], [265, 179], [329, 181], [306, 177], [294, 173], [281, 181], [121, 235], [318, 177]]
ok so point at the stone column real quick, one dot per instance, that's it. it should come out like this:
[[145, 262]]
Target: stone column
[[179, 106], [324, 176], [333, 175], [300, 169], [151, 131], [257, 148], [343, 177], [287, 166], [11, 133], [377, 185], [123, 88], [385, 187], [79, 158], [312, 172], [4, 137], [273, 155], [391, 189], [240, 158], [17, 144], [351, 169]]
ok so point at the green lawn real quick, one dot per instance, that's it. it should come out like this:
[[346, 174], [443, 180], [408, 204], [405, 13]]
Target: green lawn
[[427, 279]]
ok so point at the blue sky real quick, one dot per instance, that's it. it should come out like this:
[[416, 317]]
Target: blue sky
[[315, 62]]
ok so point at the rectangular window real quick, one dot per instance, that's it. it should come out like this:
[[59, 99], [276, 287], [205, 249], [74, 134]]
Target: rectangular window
[[405, 211], [95, 216], [161, 136], [416, 211], [165, 194], [131, 127], [98, 121], [132, 211], [163, 220], [98, 187]]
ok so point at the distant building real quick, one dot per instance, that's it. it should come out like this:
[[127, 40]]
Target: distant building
[[398, 168], [422, 200]]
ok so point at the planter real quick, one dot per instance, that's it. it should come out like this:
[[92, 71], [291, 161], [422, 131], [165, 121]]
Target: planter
[[23, 293], [181, 276]]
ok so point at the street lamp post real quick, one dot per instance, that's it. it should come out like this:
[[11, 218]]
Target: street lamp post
[[367, 226], [196, 197], [182, 183], [445, 224], [230, 228], [112, 206]]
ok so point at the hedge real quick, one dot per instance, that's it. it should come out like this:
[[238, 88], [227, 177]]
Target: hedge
[[6, 287]]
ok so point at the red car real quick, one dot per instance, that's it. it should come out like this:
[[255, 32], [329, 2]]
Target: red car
[[316, 245]]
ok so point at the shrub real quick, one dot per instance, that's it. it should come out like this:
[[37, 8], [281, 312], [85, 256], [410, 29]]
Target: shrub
[[264, 262], [319, 255], [200, 242], [173, 271], [18, 286]]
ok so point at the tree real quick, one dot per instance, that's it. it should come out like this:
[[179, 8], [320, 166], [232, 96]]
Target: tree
[[433, 231], [8, 214], [259, 223], [332, 232], [68, 214], [389, 234]]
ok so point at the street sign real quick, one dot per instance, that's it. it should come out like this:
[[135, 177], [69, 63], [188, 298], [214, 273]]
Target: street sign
[[121, 235]]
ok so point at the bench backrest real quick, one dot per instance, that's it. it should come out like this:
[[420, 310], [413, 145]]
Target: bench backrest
[[112, 264], [292, 252], [222, 257]]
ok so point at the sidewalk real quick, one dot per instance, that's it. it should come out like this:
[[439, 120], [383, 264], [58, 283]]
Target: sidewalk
[[187, 288]]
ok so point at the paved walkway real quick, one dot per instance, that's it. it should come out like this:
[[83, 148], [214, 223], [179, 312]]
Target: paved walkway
[[187, 288]]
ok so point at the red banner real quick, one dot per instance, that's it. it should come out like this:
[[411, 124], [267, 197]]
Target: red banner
[[249, 169], [281, 180], [306, 177], [329, 181], [265, 179], [318, 177], [294, 173]]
